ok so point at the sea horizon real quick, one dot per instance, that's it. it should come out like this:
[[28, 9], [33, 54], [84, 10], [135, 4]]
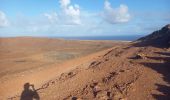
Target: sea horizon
[[114, 38]]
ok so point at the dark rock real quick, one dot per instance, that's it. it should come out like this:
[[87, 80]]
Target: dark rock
[[159, 38]]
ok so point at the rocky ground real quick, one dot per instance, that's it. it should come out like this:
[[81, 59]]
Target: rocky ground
[[118, 71], [37, 60]]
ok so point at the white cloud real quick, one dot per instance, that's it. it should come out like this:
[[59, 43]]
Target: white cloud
[[3, 20], [64, 2], [115, 15], [52, 17], [71, 12]]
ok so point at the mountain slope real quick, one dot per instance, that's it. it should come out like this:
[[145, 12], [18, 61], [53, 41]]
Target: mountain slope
[[159, 38], [124, 72], [114, 75]]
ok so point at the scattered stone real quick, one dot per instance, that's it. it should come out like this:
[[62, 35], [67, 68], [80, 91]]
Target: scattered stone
[[74, 98], [117, 96], [122, 99], [139, 56], [122, 70], [109, 77], [94, 64], [67, 75], [106, 59]]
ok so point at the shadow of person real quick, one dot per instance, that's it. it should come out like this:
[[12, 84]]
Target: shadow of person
[[29, 92]]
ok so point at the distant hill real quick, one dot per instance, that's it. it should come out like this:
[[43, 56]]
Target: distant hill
[[159, 38]]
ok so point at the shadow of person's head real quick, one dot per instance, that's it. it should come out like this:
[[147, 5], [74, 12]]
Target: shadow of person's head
[[26, 86], [29, 92]]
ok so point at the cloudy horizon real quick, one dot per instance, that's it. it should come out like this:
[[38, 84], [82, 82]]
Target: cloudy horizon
[[82, 18]]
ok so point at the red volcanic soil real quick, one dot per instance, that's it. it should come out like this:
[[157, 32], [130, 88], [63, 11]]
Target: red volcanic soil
[[38, 60], [50, 69]]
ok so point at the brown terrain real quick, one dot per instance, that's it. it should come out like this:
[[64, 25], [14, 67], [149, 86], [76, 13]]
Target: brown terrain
[[56, 69]]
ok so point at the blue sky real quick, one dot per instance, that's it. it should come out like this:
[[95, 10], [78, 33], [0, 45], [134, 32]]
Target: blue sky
[[82, 17]]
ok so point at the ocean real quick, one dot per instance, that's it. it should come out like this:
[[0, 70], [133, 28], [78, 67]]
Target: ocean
[[120, 38], [114, 38]]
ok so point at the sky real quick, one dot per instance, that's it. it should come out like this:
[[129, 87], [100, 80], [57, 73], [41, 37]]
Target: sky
[[82, 17]]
